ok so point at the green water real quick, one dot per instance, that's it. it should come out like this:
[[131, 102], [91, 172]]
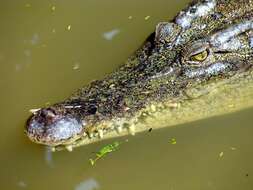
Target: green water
[[50, 48]]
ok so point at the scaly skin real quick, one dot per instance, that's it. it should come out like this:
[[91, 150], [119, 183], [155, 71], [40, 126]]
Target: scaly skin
[[197, 66]]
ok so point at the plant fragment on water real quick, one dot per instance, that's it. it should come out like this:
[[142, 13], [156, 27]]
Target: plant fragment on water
[[173, 141], [104, 151]]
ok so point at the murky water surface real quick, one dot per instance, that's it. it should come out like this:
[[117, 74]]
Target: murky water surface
[[50, 48]]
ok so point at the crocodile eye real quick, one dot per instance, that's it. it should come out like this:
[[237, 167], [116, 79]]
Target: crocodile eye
[[200, 56]]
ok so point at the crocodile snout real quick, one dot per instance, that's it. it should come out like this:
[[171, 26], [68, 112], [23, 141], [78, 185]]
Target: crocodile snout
[[53, 127]]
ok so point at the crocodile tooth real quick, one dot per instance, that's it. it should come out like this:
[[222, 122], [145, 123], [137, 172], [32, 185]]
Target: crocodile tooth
[[34, 111], [69, 148], [84, 134], [173, 105], [52, 149], [144, 114], [100, 133], [119, 129], [131, 129], [90, 135], [84, 123], [110, 126], [153, 108]]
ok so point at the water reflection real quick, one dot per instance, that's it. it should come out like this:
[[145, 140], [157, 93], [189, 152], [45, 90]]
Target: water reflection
[[111, 34], [88, 184], [34, 39], [22, 184], [49, 157]]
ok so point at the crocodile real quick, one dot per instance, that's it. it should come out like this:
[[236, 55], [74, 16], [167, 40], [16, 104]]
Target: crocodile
[[195, 66]]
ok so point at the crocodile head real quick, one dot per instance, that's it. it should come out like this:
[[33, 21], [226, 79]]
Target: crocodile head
[[196, 66]]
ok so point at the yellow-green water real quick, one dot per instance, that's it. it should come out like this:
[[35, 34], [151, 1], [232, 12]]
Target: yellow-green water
[[50, 48]]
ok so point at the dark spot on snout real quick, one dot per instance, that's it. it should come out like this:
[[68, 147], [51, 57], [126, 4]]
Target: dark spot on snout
[[47, 116]]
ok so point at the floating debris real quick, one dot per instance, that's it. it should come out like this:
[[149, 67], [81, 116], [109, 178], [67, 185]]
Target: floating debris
[[147, 17], [35, 39], [89, 184], [18, 67], [173, 141], [104, 151], [22, 184], [76, 66], [69, 27], [221, 154], [233, 148], [130, 17], [53, 8], [53, 30], [111, 34], [28, 5], [27, 53]]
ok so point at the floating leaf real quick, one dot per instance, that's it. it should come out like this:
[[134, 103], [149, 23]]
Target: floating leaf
[[104, 151]]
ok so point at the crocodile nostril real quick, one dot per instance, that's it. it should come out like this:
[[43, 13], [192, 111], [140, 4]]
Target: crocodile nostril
[[92, 109], [47, 114]]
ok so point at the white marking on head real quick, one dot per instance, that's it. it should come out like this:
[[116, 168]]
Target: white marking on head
[[233, 44], [211, 70], [226, 35], [251, 42], [166, 31], [65, 128], [216, 68], [201, 9], [202, 27]]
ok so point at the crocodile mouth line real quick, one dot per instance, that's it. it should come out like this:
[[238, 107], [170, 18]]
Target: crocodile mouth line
[[92, 137], [117, 127]]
